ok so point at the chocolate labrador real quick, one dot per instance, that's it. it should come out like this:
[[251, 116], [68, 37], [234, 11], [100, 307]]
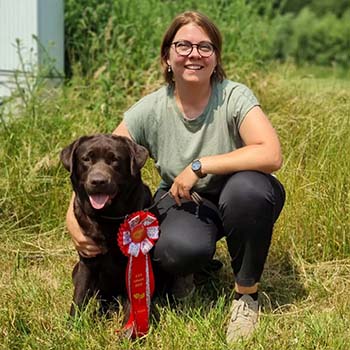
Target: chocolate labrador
[[105, 175]]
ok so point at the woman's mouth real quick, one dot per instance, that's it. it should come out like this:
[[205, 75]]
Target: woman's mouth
[[193, 66]]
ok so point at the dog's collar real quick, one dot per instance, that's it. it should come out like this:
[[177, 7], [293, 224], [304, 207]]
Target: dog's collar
[[114, 218], [122, 218]]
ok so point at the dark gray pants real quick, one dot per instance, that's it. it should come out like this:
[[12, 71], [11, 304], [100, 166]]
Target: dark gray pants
[[244, 212]]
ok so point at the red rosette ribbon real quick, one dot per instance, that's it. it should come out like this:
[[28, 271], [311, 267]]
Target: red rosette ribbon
[[136, 237]]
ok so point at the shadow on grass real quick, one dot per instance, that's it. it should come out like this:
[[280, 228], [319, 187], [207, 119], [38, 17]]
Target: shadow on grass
[[281, 286]]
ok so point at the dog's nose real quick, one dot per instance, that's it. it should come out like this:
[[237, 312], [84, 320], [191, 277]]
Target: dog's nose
[[98, 180]]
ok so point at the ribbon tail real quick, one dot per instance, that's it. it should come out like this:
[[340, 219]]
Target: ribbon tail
[[129, 327], [140, 282], [142, 310]]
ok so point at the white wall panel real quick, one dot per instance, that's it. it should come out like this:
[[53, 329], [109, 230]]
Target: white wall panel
[[21, 19]]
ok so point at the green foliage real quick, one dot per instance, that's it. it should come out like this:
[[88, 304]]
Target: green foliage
[[311, 39], [117, 41], [121, 39], [312, 120], [319, 7]]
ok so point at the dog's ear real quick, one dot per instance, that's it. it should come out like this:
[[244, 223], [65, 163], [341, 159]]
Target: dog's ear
[[67, 154], [138, 157]]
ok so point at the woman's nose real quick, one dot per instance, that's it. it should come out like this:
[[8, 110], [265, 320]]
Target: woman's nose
[[194, 52]]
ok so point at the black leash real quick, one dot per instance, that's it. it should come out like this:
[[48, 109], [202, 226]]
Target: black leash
[[194, 195]]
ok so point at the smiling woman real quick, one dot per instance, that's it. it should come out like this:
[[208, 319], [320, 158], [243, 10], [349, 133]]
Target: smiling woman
[[208, 134], [190, 65], [204, 30]]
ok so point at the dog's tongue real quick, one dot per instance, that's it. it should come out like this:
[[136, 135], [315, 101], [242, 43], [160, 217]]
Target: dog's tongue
[[98, 201]]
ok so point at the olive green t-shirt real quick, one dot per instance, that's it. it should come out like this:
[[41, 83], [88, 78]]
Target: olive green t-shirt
[[174, 141]]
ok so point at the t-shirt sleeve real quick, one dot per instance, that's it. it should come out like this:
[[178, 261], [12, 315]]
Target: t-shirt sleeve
[[241, 101], [135, 119], [141, 123]]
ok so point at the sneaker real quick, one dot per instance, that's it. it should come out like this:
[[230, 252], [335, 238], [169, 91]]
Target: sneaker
[[244, 318], [183, 286]]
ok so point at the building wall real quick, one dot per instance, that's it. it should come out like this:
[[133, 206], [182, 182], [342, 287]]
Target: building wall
[[21, 19]]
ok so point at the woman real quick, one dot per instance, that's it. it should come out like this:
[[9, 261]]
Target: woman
[[209, 135]]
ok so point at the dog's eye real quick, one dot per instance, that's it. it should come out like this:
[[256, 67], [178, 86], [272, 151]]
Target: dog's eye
[[85, 159], [88, 157], [112, 159], [115, 163]]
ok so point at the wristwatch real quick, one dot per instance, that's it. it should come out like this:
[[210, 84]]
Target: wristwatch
[[196, 167]]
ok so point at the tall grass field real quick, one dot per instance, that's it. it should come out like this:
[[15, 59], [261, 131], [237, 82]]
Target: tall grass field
[[305, 286]]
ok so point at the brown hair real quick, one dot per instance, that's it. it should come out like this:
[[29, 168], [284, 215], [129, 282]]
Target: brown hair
[[209, 28]]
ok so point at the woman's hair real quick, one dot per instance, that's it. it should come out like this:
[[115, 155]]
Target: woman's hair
[[209, 28]]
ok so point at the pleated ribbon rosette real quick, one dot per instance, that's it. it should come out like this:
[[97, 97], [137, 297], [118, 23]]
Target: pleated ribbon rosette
[[136, 237]]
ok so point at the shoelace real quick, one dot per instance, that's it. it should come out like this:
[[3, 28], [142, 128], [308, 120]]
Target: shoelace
[[246, 309]]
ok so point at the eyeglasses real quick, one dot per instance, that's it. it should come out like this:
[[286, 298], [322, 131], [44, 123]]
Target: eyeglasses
[[184, 48]]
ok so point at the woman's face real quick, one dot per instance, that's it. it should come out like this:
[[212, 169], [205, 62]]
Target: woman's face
[[193, 68]]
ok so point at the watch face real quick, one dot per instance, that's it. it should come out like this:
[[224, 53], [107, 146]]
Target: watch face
[[196, 165]]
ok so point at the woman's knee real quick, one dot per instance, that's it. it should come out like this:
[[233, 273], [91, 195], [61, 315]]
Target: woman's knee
[[183, 256], [247, 201], [247, 191]]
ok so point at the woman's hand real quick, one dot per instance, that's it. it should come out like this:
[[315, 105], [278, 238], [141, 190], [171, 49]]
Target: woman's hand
[[83, 244], [183, 184]]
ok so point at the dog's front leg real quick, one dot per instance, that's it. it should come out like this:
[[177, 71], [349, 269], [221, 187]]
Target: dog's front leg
[[85, 277]]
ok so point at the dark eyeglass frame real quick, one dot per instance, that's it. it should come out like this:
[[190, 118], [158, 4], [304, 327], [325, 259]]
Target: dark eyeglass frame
[[207, 43]]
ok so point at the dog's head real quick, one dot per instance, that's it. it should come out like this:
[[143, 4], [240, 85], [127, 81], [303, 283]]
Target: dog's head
[[101, 164]]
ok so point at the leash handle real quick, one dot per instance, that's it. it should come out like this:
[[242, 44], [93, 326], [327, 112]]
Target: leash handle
[[158, 201], [194, 195]]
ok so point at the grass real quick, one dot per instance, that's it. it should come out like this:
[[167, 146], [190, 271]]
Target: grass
[[307, 277]]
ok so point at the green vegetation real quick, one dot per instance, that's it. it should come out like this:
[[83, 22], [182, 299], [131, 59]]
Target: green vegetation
[[254, 31], [113, 52]]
